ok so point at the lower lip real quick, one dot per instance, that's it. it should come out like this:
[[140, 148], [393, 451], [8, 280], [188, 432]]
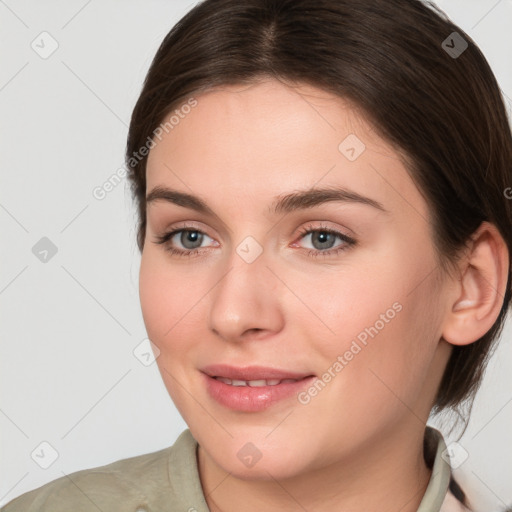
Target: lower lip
[[253, 399]]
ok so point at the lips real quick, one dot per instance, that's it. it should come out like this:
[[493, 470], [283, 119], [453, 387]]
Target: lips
[[248, 374], [253, 388], [257, 383]]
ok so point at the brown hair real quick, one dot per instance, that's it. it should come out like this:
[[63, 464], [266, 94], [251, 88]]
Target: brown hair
[[392, 59]]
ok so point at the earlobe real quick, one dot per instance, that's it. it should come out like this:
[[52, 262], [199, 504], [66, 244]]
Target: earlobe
[[481, 289]]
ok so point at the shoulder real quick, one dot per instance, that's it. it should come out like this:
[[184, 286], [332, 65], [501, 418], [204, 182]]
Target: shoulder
[[129, 482]]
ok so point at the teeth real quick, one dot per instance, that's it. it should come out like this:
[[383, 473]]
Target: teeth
[[222, 379], [254, 383]]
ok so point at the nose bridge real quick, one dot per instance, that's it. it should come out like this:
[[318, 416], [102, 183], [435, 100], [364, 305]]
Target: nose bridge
[[243, 298], [247, 267]]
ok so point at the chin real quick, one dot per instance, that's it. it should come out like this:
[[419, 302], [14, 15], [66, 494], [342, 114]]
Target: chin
[[248, 460]]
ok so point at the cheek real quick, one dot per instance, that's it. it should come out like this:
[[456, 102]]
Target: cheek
[[384, 326], [155, 299], [394, 376], [172, 301], [167, 295], [165, 301]]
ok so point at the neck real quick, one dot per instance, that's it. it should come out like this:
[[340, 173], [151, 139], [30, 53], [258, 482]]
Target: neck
[[391, 474]]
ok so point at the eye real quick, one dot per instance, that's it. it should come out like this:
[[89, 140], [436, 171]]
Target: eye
[[191, 239], [323, 239]]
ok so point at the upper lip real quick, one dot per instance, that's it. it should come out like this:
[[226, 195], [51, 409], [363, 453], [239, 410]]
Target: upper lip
[[251, 372]]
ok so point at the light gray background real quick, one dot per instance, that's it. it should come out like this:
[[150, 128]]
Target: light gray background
[[69, 327]]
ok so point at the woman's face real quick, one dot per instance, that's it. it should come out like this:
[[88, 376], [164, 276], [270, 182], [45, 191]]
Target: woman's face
[[338, 288]]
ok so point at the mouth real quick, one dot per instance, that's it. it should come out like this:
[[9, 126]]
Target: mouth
[[252, 375], [253, 389], [256, 383]]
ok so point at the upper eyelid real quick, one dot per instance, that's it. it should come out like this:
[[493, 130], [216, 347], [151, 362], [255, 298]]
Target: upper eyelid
[[189, 226]]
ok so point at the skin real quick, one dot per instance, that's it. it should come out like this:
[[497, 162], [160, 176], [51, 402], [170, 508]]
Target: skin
[[357, 445]]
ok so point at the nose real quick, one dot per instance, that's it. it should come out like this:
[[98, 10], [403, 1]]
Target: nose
[[246, 301]]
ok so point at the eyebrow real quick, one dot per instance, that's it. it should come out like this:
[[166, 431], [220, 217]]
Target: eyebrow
[[300, 200]]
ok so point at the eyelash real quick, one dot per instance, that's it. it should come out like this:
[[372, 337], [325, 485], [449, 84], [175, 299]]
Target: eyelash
[[314, 253]]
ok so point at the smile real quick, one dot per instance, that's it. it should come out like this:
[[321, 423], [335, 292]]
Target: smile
[[254, 395], [254, 383]]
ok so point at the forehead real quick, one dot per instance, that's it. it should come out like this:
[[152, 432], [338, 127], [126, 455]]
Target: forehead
[[267, 138]]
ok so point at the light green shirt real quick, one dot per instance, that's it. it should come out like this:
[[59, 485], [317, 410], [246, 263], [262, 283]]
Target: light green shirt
[[168, 481]]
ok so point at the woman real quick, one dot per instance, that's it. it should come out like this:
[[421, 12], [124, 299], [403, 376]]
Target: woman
[[325, 237]]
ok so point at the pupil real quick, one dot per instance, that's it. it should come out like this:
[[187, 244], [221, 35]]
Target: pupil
[[324, 238], [190, 237]]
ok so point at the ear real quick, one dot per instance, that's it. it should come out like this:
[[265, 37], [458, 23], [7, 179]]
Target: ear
[[478, 295]]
